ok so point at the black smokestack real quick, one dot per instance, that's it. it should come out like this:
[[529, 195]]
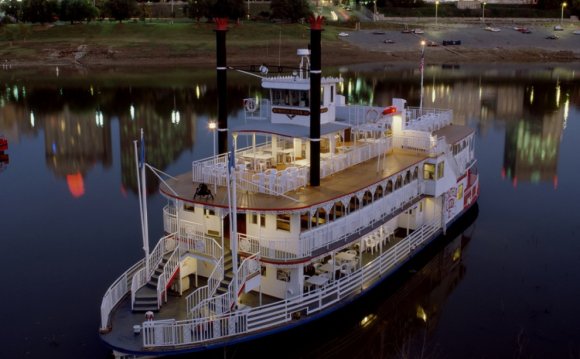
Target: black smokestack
[[315, 74], [222, 83]]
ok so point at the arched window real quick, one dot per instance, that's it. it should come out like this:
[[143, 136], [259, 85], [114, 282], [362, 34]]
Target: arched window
[[407, 177], [416, 172], [378, 192], [398, 182], [337, 211], [389, 186], [318, 217], [354, 204], [367, 198]]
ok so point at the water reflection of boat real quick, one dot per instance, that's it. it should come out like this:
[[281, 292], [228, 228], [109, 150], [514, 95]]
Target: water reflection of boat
[[4, 158], [334, 200], [3, 144]]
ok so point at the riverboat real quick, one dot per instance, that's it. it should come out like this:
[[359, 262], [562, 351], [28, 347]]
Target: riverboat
[[324, 202]]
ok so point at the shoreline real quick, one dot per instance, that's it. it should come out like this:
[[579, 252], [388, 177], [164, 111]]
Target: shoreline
[[359, 47]]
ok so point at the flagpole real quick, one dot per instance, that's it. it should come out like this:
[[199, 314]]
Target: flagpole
[[144, 206], [137, 164], [422, 70], [234, 222]]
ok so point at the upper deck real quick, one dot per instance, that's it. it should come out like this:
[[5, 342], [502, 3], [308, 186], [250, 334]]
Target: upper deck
[[350, 180]]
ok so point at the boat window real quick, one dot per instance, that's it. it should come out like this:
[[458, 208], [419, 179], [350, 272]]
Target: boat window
[[367, 198], [331, 94], [379, 192], [208, 212], [416, 173], [188, 207], [318, 218], [398, 182], [460, 192], [321, 96], [354, 204], [407, 177], [440, 170], [283, 222], [304, 222], [389, 186], [337, 211], [429, 171], [262, 220]]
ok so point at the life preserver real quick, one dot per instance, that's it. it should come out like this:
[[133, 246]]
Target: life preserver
[[250, 104], [376, 116]]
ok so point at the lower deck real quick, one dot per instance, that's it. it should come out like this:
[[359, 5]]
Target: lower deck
[[123, 319]]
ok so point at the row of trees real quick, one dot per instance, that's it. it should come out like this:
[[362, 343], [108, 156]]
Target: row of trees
[[44, 11]]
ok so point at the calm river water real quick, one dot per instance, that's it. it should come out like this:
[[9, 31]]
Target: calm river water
[[505, 284]]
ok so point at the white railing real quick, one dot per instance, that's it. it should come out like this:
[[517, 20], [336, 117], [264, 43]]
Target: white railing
[[169, 219], [199, 330], [262, 112], [198, 242], [283, 249], [139, 280], [249, 268], [194, 300], [169, 270], [357, 115], [116, 292], [428, 119]]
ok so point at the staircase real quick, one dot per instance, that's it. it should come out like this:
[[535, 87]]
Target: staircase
[[228, 274], [146, 296]]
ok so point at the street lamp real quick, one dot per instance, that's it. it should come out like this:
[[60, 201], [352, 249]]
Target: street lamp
[[213, 127], [483, 12], [562, 16], [436, 6]]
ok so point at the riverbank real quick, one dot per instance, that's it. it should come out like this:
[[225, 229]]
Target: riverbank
[[192, 44]]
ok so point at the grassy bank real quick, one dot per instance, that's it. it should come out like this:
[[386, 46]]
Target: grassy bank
[[145, 39]]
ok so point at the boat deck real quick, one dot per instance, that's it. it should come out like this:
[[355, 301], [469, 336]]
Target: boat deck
[[350, 180], [123, 318]]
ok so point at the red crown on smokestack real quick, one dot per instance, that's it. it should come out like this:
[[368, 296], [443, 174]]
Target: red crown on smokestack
[[221, 23], [316, 22]]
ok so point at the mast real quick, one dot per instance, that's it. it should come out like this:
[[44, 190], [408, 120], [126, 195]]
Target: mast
[[221, 68], [315, 74]]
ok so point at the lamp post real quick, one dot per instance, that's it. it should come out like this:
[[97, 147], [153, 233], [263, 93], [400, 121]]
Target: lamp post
[[422, 67], [213, 127], [248, 9], [20, 10], [562, 15], [483, 12], [436, 6]]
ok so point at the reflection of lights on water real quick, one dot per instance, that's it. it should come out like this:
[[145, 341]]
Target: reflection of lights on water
[[421, 314], [558, 94], [532, 96], [433, 96], [31, 118], [367, 320], [132, 112], [175, 117], [566, 109], [197, 92], [78, 128], [57, 71], [99, 119], [92, 91], [15, 92], [480, 92], [53, 148], [456, 254], [23, 91]]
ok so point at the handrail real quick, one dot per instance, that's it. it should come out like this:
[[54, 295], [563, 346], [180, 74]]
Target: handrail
[[218, 326], [116, 292], [169, 270], [194, 300], [139, 280]]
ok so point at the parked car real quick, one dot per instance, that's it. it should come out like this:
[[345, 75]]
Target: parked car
[[343, 34], [432, 44], [389, 41], [558, 28], [418, 31], [451, 42], [552, 37], [378, 32]]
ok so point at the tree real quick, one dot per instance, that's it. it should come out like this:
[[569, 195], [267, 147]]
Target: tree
[[292, 10], [10, 8], [121, 9], [77, 10], [41, 11]]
